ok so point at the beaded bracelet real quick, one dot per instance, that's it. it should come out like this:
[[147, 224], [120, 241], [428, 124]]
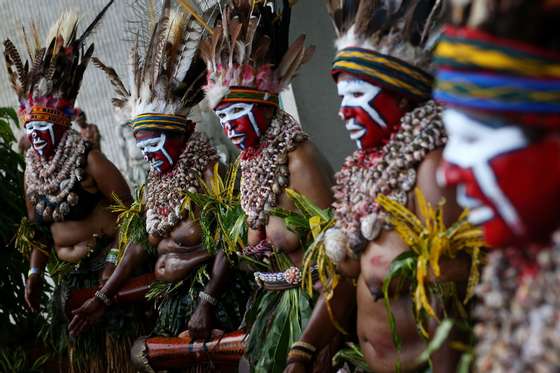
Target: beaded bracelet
[[103, 297], [301, 352], [205, 297]]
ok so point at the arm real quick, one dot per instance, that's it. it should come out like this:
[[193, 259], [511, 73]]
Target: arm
[[107, 177], [320, 330], [38, 263], [456, 269], [201, 320], [92, 310]]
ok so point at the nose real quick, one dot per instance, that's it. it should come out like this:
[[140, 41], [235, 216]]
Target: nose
[[449, 174], [33, 134], [345, 113]]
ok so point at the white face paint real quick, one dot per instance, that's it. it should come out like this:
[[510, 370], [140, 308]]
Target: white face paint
[[234, 112], [32, 129], [358, 94], [154, 145], [471, 146]]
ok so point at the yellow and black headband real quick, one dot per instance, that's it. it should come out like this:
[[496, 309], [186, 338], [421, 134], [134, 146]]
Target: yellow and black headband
[[250, 95], [386, 71], [160, 122]]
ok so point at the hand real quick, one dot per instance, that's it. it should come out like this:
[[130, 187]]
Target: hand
[[86, 316], [33, 292], [200, 324], [295, 367]]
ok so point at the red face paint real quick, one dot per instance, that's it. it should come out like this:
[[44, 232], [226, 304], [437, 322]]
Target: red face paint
[[160, 149], [243, 123], [371, 114], [509, 182], [44, 137]]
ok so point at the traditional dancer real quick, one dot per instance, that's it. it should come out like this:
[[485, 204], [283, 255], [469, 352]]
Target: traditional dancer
[[68, 186], [165, 84], [499, 75], [249, 63], [382, 76]]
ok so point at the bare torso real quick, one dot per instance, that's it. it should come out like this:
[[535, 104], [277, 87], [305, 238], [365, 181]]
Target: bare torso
[[374, 332], [311, 176], [180, 252], [373, 326]]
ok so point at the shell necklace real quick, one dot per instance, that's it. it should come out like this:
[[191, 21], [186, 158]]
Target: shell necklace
[[264, 170], [165, 192], [55, 178], [391, 171]]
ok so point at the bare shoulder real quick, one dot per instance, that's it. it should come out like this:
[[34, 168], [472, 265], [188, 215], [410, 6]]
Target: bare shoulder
[[426, 181], [306, 156]]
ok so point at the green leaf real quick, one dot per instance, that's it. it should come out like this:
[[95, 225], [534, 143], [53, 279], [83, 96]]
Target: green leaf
[[438, 339]]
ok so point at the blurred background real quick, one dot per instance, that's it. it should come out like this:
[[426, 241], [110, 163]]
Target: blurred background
[[313, 98]]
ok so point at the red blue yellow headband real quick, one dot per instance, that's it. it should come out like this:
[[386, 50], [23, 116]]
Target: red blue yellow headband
[[478, 71]]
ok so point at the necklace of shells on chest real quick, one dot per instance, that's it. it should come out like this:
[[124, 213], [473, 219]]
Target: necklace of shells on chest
[[165, 192], [390, 170], [53, 179], [264, 170]]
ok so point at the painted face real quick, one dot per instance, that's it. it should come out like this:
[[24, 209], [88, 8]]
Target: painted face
[[159, 149], [371, 113], [44, 137], [243, 123], [509, 182]]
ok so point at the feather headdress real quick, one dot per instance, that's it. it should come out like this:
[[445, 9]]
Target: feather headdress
[[389, 42], [248, 56], [167, 81], [47, 84], [502, 58]]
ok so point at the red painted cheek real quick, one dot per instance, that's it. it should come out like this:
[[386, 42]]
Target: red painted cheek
[[530, 179], [452, 174]]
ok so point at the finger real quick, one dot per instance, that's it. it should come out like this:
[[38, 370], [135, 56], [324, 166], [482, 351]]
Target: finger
[[79, 327]]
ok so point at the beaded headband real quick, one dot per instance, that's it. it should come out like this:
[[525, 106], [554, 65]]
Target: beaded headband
[[389, 72], [45, 114], [161, 122], [481, 72], [242, 94]]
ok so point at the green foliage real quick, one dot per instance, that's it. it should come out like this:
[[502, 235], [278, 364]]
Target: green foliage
[[221, 217], [15, 360], [11, 177], [352, 355], [17, 323]]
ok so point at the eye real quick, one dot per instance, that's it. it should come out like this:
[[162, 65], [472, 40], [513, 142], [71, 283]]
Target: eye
[[221, 115], [357, 94], [237, 110]]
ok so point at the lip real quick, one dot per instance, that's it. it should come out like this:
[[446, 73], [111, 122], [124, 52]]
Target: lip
[[39, 144], [478, 212], [480, 215], [356, 131], [237, 139]]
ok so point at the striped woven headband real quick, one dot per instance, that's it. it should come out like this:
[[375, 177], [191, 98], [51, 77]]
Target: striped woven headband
[[480, 72], [389, 72], [469, 49], [162, 122], [45, 114], [250, 95]]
